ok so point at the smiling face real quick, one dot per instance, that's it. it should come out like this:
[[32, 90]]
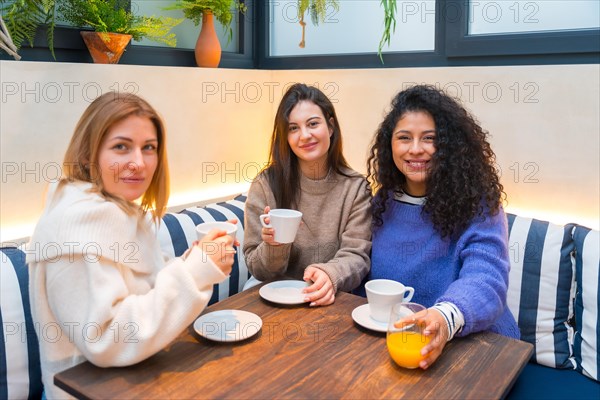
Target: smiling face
[[309, 137], [413, 146], [128, 157]]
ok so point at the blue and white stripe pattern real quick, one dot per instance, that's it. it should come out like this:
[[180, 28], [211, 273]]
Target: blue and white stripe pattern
[[178, 232], [20, 375], [587, 302], [541, 288]]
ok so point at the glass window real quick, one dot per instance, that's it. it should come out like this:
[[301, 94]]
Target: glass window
[[493, 17], [356, 27], [186, 32]]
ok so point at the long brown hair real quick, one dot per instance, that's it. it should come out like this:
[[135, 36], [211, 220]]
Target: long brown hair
[[283, 169], [81, 159]]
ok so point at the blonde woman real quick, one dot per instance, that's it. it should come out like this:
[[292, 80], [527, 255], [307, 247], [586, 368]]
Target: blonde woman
[[100, 290]]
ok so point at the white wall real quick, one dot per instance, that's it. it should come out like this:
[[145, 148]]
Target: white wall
[[544, 122], [218, 127]]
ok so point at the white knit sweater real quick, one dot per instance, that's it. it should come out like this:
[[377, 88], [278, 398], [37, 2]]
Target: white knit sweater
[[99, 287]]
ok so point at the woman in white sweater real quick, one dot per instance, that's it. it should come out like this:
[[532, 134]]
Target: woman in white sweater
[[99, 287]]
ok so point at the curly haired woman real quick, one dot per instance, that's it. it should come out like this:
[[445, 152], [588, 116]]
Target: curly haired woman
[[438, 222]]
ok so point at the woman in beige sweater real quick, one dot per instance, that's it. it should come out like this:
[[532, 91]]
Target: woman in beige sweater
[[99, 287], [307, 172]]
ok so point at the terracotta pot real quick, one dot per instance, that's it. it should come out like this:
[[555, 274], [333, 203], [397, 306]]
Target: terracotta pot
[[208, 48], [105, 48]]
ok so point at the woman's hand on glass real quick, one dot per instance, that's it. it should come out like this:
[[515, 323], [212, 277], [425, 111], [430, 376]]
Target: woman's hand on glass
[[436, 327]]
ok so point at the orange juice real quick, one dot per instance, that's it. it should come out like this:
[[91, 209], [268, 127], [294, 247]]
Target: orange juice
[[405, 348]]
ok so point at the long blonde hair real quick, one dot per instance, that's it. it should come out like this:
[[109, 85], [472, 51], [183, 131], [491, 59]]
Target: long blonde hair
[[81, 159]]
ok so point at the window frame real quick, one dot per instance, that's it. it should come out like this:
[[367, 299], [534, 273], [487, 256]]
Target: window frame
[[460, 44], [357, 60], [453, 47]]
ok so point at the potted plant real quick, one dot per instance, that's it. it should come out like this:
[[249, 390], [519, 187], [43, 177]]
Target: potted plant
[[113, 26], [208, 48], [318, 12]]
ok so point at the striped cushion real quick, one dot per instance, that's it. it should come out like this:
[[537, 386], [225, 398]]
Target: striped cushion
[[541, 287], [587, 302], [178, 232], [20, 375]]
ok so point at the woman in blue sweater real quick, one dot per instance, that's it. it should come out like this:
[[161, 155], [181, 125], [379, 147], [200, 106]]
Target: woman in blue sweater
[[438, 222]]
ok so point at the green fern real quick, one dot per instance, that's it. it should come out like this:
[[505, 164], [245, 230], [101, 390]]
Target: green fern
[[113, 16], [22, 18]]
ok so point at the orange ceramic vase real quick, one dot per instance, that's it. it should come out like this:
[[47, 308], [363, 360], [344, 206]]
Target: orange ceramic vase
[[208, 48], [105, 48]]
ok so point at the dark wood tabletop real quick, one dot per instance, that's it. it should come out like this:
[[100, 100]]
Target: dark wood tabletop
[[304, 352]]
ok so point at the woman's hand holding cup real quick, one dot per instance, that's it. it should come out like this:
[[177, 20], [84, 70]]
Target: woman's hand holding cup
[[268, 234], [279, 225], [218, 243]]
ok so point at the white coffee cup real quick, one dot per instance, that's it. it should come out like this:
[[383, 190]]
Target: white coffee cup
[[382, 294], [203, 228], [285, 222]]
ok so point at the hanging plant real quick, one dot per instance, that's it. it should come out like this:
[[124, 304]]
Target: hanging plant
[[317, 10], [389, 24]]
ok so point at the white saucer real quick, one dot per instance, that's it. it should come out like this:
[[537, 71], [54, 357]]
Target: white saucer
[[284, 292], [362, 316], [228, 325]]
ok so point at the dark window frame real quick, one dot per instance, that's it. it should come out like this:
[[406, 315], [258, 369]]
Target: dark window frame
[[460, 44], [69, 47], [453, 47]]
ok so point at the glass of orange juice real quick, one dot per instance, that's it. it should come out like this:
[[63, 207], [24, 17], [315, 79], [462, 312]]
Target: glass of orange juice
[[405, 343]]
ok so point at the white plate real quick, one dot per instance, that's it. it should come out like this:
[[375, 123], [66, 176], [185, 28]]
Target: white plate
[[228, 325], [284, 292], [362, 316]]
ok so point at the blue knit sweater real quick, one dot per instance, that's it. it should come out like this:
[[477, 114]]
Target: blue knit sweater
[[470, 272]]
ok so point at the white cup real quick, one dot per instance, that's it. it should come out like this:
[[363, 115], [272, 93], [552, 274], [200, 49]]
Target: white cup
[[203, 228], [285, 222], [382, 294]]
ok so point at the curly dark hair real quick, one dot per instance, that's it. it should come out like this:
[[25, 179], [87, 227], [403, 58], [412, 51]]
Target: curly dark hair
[[463, 180]]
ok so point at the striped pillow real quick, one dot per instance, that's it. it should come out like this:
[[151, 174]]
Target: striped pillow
[[587, 301], [541, 288], [178, 232], [20, 375]]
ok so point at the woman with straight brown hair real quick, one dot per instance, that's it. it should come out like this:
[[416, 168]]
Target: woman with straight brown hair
[[98, 281], [307, 171]]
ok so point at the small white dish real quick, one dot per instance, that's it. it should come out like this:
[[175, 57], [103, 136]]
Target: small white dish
[[362, 316], [284, 292], [228, 325]]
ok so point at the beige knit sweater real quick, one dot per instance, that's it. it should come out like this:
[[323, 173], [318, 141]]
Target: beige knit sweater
[[335, 235], [99, 287]]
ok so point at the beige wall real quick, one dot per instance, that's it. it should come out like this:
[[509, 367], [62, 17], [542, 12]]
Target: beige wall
[[544, 122]]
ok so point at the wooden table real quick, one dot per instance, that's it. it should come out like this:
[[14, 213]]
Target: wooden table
[[303, 352]]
